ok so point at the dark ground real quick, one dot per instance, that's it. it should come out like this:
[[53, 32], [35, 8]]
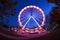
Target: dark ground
[[52, 36]]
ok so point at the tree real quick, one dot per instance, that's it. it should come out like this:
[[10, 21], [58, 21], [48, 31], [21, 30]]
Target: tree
[[54, 21], [7, 9], [57, 2]]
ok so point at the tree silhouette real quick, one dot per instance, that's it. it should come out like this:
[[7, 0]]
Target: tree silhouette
[[54, 14], [7, 9]]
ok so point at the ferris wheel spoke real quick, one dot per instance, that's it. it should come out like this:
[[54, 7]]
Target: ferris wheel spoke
[[27, 22], [38, 19], [35, 21]]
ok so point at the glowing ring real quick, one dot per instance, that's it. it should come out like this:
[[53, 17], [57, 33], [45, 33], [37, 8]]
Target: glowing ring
[[31, 6]]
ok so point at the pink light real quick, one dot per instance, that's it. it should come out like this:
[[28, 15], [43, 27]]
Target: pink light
[[25, 8]]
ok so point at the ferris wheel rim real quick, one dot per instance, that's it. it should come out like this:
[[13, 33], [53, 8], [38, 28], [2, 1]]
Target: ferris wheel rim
[[31, 6]]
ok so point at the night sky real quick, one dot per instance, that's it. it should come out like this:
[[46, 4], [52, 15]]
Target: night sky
[[43, 4]]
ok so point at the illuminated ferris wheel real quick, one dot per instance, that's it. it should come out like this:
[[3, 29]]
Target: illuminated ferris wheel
[[31, 19]]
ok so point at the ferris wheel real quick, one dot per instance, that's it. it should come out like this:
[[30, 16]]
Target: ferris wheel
[[31, 19]]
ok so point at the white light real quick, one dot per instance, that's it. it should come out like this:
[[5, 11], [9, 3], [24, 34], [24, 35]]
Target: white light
[[31, 6]]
